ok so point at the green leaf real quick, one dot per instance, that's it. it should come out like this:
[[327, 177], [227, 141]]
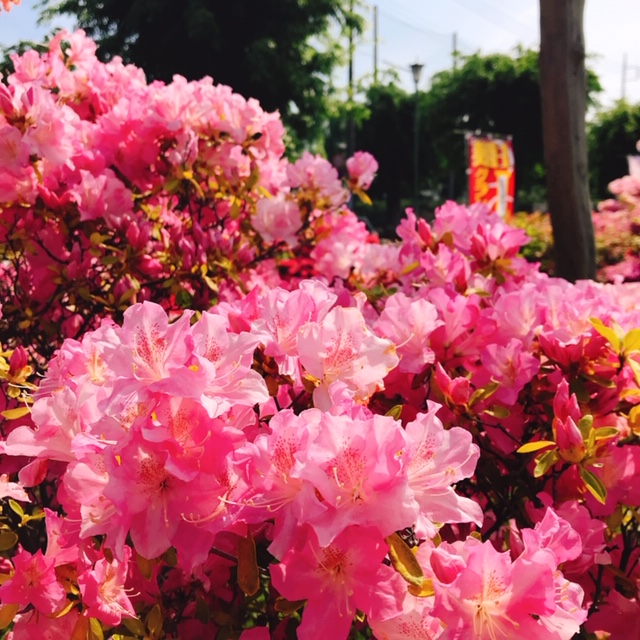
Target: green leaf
[[135, 625], [7, 614], [395, 412], [483, 393], [607, 383], [607, 333], [288, 607], [14, 414], [8, 540], [184, 299], [631, 341], [423, 591], [585, 425], [363, 197], [498, 412], [95, 630], [594, 485], [16, 508], [127, 295], [404, 560], [544, 463], [412, 266], [606, 432], [248, 573], [530, 447], [634, 419], [635, 367], [202, 610], [154, 621]]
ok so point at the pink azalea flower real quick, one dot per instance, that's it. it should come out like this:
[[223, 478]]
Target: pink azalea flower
[[277, 219], [225, 361], [341, 244], [283, 313], [435, 459], [338, 579], [362, 168], [416, 622], [354, 465], [342, 348], [408, 322], [316, 174], [553, 533], [482, 595], [33, 582], [268, 464], [103, 197], [570, 442], [511, 366], [33, 624], [156, 353], [614, 617], [103, 592], [12, 490]]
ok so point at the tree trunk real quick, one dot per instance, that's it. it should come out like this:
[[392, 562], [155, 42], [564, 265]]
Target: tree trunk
[[564, 95]]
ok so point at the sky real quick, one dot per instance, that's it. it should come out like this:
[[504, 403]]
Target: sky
[[423, 30]]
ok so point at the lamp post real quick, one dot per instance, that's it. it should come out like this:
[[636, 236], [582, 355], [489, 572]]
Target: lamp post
[[416, 70]]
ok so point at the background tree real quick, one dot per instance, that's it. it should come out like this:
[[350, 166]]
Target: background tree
[[281, 52], [492, 93], [385, 129], [611, 137], [563, 87]]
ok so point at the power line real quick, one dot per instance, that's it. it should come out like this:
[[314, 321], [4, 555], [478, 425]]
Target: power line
[[485, 17], [426, 32], [492, 7]]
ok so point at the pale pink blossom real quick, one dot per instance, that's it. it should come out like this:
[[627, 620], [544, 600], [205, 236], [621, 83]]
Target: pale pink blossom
[[12, 489], [103, 591], [277, 219], [342, 348], [435, 459], [362, 168], [338, 579], [33, 582]]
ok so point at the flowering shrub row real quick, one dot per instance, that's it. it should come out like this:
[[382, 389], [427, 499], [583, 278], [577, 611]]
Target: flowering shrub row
[[115, 191], [616, 225], [263, 422]]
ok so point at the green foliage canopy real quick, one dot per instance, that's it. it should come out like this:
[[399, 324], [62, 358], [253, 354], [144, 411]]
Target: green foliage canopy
[[281, 52], [612, 136], [494, 93]]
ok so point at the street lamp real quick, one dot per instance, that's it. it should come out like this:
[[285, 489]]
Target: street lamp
[[416, 71]]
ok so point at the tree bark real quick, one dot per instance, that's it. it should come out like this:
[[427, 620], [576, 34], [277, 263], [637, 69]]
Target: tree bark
[[563, 89]]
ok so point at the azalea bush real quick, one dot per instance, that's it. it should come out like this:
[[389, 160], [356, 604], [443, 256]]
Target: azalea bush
[[231, 412], [616, 225]]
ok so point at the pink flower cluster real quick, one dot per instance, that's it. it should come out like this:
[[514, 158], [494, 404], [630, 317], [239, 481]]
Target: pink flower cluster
[[617, 224], [319, 425], [114, 191], [427, 439]]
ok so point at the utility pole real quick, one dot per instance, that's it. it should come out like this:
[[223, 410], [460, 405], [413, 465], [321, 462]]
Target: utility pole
[[375, 44], [416, 70], [626, 68], [351, 127], [454, 51]]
